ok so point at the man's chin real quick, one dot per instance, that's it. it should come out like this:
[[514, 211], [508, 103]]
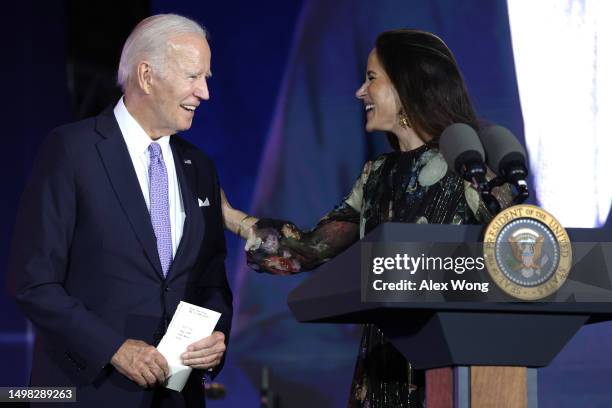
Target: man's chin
[[184, 126]]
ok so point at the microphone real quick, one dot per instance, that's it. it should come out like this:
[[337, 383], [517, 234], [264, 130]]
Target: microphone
[[463, 151], [507, 158]]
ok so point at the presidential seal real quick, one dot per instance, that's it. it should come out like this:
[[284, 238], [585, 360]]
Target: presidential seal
[[527, 252]]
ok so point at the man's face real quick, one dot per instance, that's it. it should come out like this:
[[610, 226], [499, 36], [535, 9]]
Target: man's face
[[177, 92]]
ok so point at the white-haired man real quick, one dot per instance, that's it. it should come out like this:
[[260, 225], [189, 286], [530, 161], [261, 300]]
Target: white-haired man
[[120, 221]]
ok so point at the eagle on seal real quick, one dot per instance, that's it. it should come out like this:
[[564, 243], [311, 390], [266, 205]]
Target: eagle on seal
[[527, 250]]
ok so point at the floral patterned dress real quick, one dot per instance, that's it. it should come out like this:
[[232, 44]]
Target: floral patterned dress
[[413, 187]]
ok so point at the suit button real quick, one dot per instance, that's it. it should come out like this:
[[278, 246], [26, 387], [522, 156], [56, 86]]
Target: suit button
[[167, 289]]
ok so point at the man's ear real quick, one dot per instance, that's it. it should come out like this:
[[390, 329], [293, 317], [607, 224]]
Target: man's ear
[[144, 73]]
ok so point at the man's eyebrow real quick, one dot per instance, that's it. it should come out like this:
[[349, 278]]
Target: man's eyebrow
[[370, 73]]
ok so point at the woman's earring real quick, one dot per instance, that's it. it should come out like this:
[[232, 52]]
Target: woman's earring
[[403, 120]]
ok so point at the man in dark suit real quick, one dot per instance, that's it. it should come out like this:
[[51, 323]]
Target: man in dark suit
[[120, 221]]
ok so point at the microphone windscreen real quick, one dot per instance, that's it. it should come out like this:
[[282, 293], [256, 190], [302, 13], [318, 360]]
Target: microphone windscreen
[[501, 145], [459, 144]]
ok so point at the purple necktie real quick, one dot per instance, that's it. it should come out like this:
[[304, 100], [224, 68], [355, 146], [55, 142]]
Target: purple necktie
[[160, 206]]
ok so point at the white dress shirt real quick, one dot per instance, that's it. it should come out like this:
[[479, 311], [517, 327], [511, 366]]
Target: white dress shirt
[[138, 142]]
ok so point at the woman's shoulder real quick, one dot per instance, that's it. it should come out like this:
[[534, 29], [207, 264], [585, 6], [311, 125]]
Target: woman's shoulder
[[355, 197], [371, 166], [381, 157], [377, 161]]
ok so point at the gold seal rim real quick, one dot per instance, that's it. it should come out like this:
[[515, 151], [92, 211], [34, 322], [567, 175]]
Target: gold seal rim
[[559, 276]]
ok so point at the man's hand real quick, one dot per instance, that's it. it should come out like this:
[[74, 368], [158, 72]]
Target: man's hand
[[206, 353], [141, 363]]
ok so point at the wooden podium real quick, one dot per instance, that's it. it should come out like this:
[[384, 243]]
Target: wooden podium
[[475, 354]]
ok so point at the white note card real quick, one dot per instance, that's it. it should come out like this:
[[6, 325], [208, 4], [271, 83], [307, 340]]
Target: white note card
[[189, 324]]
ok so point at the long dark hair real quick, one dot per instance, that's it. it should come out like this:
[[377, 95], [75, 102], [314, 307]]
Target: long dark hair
[[427, 79]]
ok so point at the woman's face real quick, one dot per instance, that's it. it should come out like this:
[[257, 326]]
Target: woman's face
[[379, 97]]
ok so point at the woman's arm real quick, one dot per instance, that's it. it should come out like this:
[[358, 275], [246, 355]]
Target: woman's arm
[[280, 247], [235, 220]]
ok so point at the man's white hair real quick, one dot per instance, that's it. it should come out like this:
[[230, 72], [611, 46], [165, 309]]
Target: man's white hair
[[149, 40]]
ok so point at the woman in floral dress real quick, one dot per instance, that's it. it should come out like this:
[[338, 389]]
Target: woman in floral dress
[[412, 91]]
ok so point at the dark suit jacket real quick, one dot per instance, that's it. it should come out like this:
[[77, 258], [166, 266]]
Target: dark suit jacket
[[84, 266]]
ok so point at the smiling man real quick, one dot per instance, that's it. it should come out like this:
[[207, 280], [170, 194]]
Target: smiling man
[[119, 222]]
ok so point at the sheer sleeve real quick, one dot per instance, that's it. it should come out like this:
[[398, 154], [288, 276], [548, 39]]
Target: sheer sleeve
[[281, 248]]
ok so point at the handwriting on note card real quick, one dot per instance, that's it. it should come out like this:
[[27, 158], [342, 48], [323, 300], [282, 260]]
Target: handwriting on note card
[[189, 324]]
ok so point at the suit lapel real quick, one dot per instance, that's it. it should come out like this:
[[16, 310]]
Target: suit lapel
[[120, 170], [187, 178]]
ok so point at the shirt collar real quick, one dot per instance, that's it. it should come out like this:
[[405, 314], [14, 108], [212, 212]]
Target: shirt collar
[[135, 137]]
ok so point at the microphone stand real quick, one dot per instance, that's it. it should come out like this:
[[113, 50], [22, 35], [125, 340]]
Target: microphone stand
[[475, 172], [520, 190]]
